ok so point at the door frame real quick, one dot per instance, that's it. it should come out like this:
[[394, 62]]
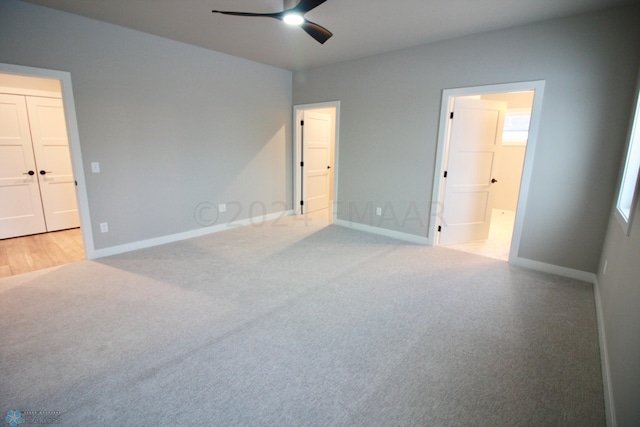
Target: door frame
[[298, 110], [444, 132], [68, 102]]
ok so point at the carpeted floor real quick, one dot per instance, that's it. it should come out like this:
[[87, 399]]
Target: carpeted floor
[[296, 323]]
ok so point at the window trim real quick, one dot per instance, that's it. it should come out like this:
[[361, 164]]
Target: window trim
[[631, 170]]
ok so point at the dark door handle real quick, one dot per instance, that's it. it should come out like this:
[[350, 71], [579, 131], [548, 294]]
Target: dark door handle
[[29, 173], [493, 180], [328, 167], [43, 172]]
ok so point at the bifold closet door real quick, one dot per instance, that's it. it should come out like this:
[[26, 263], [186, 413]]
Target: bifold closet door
[[37, 189], [20, 205], [53, 160]]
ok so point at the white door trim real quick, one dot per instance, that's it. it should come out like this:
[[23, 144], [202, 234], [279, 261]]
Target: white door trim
[[74, 143], [443, 135], [297, 151]]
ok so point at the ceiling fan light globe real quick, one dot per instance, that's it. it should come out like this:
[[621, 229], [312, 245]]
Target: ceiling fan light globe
[[293, 19]]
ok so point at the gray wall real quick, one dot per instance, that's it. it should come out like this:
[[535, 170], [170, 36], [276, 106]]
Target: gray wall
[[172, 125], [619, 289], [390, 110], [620, 295]]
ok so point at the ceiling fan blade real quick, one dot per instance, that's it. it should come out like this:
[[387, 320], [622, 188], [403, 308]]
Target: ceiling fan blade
[[316, 31], [277, 15], [306, 5]]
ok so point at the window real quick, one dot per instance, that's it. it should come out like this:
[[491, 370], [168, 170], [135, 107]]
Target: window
[[628, 187], [516, 127]]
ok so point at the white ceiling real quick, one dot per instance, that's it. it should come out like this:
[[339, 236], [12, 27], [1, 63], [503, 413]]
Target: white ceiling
[[360, 27]]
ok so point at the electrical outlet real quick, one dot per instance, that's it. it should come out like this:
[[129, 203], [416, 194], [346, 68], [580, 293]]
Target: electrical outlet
[[378, 211], [104, 227], [222, 207], [95, 167]]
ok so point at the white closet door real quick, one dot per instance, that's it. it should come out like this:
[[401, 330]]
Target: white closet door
[[53, 160], [20, 206]]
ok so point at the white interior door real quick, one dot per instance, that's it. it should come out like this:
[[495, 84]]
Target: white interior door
[[316, 151], [476, 135], [20, 206], [53, 159]]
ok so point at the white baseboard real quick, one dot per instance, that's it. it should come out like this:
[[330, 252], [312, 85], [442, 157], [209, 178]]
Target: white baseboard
[[609, 406], [602, 337], [128, 247], [384, 232], [553, 269]]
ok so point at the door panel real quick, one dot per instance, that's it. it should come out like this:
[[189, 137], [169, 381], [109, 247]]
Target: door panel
[[477, 167], [476, 134], [316, 156], [472, 207], [51, 148], [479, 122], [20, 205]]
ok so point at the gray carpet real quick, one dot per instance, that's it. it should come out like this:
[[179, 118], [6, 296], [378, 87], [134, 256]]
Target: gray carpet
[[300, 324]]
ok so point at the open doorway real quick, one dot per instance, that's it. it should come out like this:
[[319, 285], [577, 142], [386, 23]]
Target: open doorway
[[44, 216], [486, 154], [315, 159]]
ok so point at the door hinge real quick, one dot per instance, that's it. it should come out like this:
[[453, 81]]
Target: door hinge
[[451, 115], [301, 203], [301, 122], [439, 228], [445, 174], [301, 164], [76, 183]]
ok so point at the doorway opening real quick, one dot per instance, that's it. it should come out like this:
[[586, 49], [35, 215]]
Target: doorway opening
[[486, 148], [316, 159], [44, 216]]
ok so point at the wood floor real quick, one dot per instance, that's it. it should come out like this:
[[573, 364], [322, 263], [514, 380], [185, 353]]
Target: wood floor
[[29, 253]]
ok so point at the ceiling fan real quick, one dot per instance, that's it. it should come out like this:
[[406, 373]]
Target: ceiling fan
[[293, 15]]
